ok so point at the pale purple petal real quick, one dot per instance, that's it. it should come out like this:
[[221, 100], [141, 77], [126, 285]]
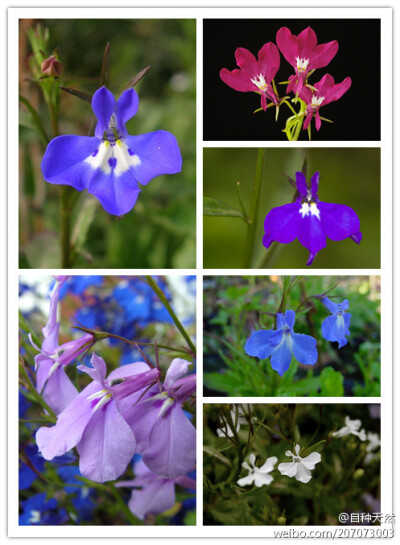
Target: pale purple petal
[[172, 445], [177, 369], [154, 498], [59, 391], [98, 373], [107, 446]]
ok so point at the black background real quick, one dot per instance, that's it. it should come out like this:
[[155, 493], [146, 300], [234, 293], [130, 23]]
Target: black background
[[228, 114]]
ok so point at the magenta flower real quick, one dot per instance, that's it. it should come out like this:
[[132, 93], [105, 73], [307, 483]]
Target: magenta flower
[[157, 493], [303, 53], [56, 388], [254, 75], [93, 423], [325, 91], [165, 436], [310, 220]]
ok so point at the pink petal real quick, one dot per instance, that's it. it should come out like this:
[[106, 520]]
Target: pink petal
[[306, 42], [268, 61], [287, 44], [323, 54], [237, 79]]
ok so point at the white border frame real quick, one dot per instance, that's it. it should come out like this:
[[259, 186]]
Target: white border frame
[[385, 14]]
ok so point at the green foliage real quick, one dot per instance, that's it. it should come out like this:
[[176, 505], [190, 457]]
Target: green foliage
[[345, 479], [236, 306]]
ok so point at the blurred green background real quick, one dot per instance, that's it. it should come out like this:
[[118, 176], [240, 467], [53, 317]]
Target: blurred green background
[[348, 176], [160, 231]]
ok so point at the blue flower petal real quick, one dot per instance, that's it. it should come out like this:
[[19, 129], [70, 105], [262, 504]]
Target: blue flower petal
[[282, 224], [304, 348], [334, 328], [301, 184], [103, 105], [331, 306], [290, 317], [276, 338], [258, 344], [347, 318], [314, 184], [311, 235], [127, 107], [280, 320], [117, 194], [157, 153], [338, 221], [63, 162], [282, 356]]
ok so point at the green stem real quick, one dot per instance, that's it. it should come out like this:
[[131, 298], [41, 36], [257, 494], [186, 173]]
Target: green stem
[[128, 513], [68, 199], [161, 295], [254, 207]]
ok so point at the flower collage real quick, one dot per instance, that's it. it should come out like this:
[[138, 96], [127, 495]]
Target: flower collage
[[203, 231]]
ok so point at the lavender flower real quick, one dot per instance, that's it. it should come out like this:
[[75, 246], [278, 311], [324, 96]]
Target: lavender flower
[[93, 423], [153, 493], [56, 388], [310, 220], [165, 436]]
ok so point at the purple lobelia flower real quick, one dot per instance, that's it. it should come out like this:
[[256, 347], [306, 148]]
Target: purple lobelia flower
[[56, 388], [112, 164], [165, 436], [254, 75], [303, 53], [282, 343], [310, 220], [157, 493], [336, 327], [93, 423], [323, 92]]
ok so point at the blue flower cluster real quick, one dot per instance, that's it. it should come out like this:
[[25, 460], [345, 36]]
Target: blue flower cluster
[[282, 343]]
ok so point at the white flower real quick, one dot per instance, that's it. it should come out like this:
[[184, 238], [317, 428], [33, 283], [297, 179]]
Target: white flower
[[258, 475], [300, 467], [225, 430], [351, 427], [374, 441], [373, 444]]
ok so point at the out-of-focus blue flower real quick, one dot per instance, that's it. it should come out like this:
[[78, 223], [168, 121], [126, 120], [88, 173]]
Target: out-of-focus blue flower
[[78, 284], [27, 475], [283, 343], [336, 327], [36, 511], [23, 404], [81, 496]]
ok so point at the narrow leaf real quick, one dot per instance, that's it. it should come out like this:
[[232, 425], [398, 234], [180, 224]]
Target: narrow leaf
[[79, 94], [105, 69], [36, 119], [214, 207]]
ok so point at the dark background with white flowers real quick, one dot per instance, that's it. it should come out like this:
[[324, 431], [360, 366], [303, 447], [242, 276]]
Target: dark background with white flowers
[[228, 114]]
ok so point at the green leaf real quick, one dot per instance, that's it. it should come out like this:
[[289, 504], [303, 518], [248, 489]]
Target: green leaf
[[36, 119], [215, 454], [331, 383], [222, 382], [214, 207]]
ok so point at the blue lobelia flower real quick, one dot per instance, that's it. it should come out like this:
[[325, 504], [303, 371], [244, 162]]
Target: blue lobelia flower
[[336, 327], [282, 343], [310, 220], [112, 164]]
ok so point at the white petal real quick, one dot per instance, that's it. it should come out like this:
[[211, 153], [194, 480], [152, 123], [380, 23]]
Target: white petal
[[252, 459], [260, 479], [246, 466], [312, 459], [303, 474], [269, 465], [246, 481], [289, 468], [297, 449]]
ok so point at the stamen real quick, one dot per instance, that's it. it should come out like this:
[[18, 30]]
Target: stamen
[[316, 101], [302, 64], [260, 82]]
